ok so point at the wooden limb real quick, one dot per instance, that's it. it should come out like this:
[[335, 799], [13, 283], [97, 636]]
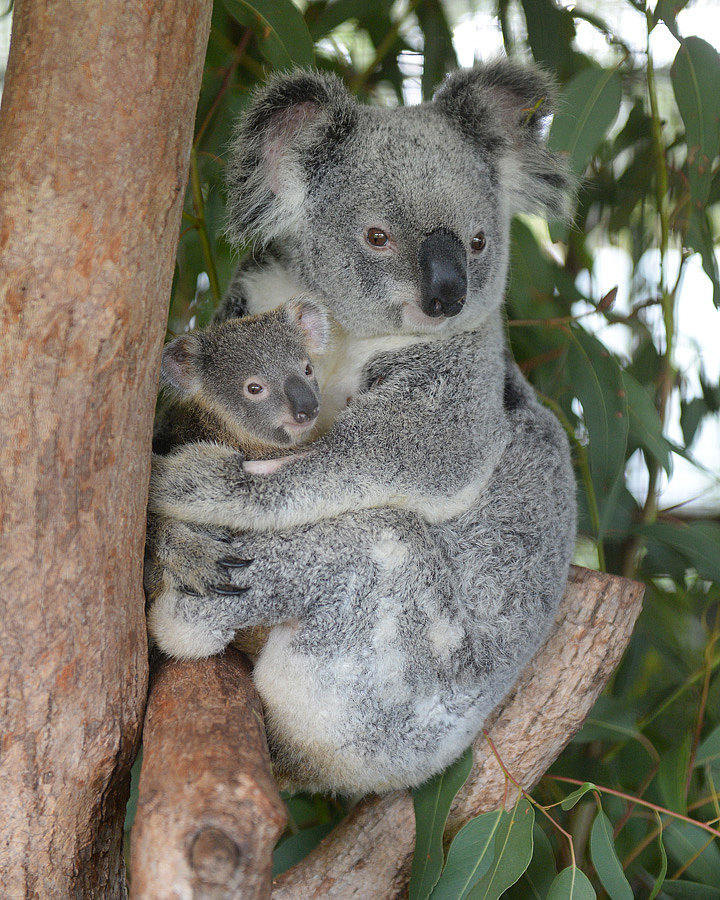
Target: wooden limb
[[209, 813], [95, 134], [369, 854]]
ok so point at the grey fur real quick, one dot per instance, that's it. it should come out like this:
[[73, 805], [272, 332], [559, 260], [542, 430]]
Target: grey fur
[[411, 562]]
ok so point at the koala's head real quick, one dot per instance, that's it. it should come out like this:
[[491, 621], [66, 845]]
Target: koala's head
[[398, 218], [255, 373]]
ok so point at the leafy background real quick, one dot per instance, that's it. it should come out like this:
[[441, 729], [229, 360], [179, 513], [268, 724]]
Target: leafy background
[[617, 815]]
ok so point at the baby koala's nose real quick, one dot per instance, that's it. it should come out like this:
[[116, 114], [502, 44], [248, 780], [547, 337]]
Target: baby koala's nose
[[303, 401]]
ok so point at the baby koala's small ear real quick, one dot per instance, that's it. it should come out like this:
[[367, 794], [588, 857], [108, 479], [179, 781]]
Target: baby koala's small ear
[[312, 320], [180, 368]]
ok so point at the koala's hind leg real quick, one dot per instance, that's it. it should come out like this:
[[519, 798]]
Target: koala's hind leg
[[204, 584]]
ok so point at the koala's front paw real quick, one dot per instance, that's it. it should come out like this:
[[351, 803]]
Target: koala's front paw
[[193, 606]]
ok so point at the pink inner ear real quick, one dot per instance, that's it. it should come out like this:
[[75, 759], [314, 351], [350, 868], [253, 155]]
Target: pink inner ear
[[178, 366], [282, 128], [315, 325]]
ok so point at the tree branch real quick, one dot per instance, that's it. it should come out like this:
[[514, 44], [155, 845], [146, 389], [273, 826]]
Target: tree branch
[[209, 813]]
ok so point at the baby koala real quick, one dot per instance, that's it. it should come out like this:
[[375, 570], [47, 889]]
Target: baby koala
[[249, 383]]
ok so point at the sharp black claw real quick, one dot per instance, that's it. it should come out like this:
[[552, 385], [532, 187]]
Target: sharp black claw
[[229, 590], [234, 562], [189, 591]]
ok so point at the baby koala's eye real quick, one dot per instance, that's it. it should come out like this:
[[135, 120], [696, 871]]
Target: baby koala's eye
[[309, 370], [478, 242], [252, 387], [376, 237]]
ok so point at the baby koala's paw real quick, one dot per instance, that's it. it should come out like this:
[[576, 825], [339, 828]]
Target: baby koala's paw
[[269, 466]]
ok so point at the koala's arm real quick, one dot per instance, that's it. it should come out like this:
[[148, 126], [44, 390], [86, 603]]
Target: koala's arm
[[423, 443]]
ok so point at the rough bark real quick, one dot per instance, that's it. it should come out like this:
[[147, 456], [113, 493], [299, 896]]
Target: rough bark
[[369, 855], [95, 132], [209, 812]]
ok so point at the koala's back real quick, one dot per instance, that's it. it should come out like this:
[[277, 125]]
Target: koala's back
[[392, 673]]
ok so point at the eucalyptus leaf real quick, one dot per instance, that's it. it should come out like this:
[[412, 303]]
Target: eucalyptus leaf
[[672, 775], [432, 802], [281, 29], [698, 543], [588, 106], [571, 884], [577, 795], [690, 890], [646, 428], [709, 749], [535, 881], [684, 842], [551, 32], [469, 857], [440, 57], [604, 858], [695, 76], [513, 852], [699, 237], [597, 383], [660, 880]]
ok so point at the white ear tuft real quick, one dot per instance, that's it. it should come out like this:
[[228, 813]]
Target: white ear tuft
[[312, 320], [179, 367]]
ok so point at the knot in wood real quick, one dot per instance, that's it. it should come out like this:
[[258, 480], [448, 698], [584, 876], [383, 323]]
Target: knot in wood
[[214, 856]]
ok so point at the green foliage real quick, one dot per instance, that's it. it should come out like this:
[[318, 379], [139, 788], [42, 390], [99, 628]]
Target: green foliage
[[432, 802], [571, 884], [643, 140], [488, 855], [604, 858]]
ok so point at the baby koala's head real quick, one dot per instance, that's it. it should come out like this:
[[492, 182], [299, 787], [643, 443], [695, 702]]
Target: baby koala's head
[[255, 373]]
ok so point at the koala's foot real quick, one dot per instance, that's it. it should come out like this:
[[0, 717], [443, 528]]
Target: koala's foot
[[204, 584]]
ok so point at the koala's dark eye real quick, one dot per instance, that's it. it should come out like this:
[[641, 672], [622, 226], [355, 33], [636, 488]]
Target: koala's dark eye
[[309, 370], [252, 387], [376, 237], [478, 242]]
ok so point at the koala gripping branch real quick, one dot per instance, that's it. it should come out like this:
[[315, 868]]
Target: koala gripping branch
[[206, 776], [370, 854]]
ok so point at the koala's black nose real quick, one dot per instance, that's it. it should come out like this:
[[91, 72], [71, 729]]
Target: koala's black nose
[[443, 273], [303, 400]]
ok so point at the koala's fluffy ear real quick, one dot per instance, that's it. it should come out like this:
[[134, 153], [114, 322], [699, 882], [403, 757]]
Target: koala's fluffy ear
[[501, 106], [292, 126], [180, 366], [312, 321]]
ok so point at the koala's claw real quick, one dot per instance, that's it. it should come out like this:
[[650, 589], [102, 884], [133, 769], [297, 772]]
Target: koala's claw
[[229, 590], [234, 562], [189, 591]]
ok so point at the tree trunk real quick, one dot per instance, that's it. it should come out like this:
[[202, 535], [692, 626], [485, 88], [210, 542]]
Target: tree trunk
[[95, 133]]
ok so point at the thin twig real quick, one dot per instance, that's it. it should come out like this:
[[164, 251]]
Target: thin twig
[[529, 798], [201, 226], [703, 701], [629, 797], [229, 72]]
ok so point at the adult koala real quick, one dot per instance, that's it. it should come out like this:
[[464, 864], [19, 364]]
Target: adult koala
[[412, 561]]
